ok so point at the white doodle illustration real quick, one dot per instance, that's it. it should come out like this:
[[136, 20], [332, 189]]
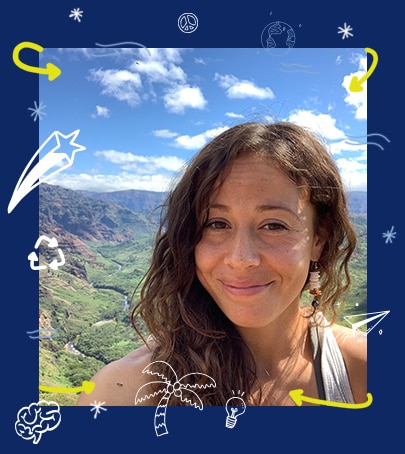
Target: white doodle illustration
[[36, 419], [175, 387], [235, 407], [52, 243], [54, 159]]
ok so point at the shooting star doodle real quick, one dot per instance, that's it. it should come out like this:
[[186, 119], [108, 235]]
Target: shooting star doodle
[[29, 180]]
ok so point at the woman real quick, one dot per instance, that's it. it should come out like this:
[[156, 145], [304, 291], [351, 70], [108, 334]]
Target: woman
[[258, 214]]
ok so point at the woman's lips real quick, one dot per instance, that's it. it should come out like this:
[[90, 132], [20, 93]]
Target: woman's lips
[[244, 288]]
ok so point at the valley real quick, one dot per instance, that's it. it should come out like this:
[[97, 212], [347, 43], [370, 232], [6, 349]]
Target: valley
[[107, 248]]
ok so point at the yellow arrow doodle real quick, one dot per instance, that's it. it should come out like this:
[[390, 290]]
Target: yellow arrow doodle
[[298, 397], [52, 70], [87, 387], [356, 83]]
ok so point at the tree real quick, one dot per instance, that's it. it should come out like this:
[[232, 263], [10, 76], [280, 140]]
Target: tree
[[176, 387]]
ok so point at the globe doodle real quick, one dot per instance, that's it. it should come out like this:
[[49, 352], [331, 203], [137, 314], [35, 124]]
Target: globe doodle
[[278, 34], [188, 22]]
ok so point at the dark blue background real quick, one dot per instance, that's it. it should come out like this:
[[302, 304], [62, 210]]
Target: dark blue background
[[221, 24]]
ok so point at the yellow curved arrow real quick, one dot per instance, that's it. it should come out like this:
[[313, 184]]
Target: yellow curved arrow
[[87, 387], [356, 83], [52, 70], [298, 397]]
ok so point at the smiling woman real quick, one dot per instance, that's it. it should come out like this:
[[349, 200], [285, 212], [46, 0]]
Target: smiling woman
[[258, 217]]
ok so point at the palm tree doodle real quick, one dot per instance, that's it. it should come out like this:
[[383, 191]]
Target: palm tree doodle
[[175, 387]]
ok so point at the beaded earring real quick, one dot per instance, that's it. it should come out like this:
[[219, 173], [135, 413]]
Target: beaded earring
[[314, 284]]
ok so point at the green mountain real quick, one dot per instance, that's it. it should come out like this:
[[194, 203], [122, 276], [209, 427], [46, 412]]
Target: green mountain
[[106, 248]]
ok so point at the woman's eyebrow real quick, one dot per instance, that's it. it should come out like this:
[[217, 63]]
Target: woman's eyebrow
[[260, 208], [276, 207]]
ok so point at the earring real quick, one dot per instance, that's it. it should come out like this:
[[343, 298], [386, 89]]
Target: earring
[[314, 284]]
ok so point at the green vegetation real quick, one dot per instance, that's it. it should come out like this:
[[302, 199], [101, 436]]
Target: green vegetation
[[86, 300]]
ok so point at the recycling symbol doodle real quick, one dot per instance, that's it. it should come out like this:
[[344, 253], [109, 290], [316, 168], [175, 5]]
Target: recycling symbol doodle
[[52, 243]]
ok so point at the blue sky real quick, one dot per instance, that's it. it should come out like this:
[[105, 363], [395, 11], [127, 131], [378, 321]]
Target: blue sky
[[143, 113]]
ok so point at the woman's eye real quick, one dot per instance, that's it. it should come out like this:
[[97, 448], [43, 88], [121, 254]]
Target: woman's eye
[[274, 226], [217, 225]]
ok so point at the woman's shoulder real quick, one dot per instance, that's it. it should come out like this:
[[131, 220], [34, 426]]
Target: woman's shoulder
[[117, 383], [353, 346]]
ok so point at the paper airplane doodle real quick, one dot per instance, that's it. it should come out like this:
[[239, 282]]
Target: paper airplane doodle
[[375, 317], [56, 158], [52, 243]]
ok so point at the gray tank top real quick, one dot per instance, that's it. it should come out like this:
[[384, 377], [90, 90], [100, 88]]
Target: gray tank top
[[331, 374]]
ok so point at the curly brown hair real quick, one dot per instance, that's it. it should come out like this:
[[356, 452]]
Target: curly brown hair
[[192, 334]]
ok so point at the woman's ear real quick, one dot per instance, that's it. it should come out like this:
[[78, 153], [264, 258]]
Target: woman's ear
[[317, 246]]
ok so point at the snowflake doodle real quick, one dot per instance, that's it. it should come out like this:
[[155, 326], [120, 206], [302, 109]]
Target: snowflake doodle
[[76, 14], [37, 110], [389, 235], [97, 406], [345, 31]]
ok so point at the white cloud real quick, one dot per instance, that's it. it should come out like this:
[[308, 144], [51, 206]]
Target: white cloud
[[236, 88], [151, 173], [179, 98], [147, 72], [348, 145], [165, 133], [120, 84], [354, 173], [233, 115], [107, 183], [160, 71], [357, 100], [139, 163], [101, 112], [199, 140], [321, 124]]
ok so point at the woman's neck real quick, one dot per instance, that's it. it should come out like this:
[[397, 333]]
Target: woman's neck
[[281, 342]]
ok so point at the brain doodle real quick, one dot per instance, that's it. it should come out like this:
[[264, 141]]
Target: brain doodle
[[36, 419]]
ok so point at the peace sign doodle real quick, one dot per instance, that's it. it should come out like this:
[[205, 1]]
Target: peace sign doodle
[[188, 22]]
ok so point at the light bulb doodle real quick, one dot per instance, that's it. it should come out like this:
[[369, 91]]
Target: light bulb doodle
[[235, 407]]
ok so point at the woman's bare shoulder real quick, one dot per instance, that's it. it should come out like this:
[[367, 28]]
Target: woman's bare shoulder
[[117, 383], [353, 346]]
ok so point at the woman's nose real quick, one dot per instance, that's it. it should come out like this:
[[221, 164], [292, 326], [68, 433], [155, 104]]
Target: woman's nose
[[242, 250]]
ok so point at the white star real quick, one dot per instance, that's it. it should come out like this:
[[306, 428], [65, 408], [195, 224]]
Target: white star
[[76, 14], [37, 110], [389, 235], [97, 406], [345, 30]]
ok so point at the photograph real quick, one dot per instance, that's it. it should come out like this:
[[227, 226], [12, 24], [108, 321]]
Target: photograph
[[211, 217]]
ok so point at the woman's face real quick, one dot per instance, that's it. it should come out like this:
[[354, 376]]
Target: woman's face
[[254, 254]]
